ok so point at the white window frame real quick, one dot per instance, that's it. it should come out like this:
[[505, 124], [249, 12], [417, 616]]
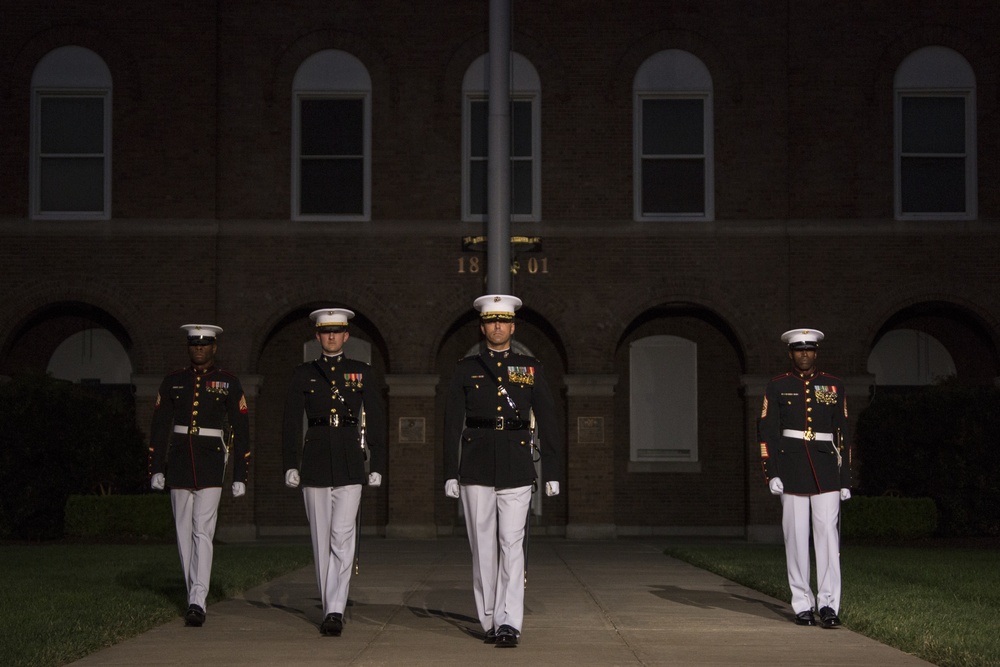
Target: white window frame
[[331, 74], [663, 420], [939, 72], [673, 74], [69, 72], [525, 87]]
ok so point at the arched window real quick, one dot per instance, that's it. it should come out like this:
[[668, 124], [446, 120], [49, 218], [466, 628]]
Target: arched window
[[673, 136], [663, 391], [525, 140], [91, 356], [935, 136], [331, 138], [71, 136], [909, 357]]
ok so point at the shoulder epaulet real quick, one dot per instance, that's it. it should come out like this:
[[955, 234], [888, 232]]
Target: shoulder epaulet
[[782, 376]]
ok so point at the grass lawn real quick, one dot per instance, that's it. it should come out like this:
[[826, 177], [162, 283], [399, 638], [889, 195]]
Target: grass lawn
[[941, 604], [79, 598]]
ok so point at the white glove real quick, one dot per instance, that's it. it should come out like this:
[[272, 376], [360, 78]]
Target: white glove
[[374, 479], [776, 486], [845, 494], [239, 489], [552, 488], [292, 478], [451, 488], [157, 482]]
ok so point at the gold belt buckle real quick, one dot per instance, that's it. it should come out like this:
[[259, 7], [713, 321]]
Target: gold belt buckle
[[809, 435], [334, 420], [193, 430]]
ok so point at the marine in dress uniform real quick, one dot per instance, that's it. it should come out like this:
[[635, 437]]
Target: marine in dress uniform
[[803, 428], [489, 462], [200, 420], [335, 394]]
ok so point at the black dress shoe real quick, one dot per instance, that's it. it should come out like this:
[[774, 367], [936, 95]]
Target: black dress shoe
[[805, 618], [828, 617], [194, 616], [506, 637], [332, 625], [491, 637]]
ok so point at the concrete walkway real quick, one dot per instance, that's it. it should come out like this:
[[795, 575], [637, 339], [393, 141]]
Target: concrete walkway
[[618, 602]]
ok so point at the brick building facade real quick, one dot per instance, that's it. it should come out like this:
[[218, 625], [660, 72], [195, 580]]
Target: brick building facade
[[824, 126]]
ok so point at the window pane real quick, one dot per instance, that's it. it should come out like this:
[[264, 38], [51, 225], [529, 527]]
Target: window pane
[[933, 125], [477, 187], [479, 127], [72, 184], [663, 399], [673, 186], [332, 127], [673, 127], [520, 129], [520, 187], [332, 187], [72, 125], [933, 185]]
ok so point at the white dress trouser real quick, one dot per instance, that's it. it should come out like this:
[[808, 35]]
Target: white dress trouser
[[824, 510], [195, 514], [494, 520], [332, 513]]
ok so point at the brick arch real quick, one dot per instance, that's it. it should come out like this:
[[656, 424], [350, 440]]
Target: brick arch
[[44, 295], [287, 62], [726, 80], [983, 60], [898, 298], [370, 308], [119, 59], [741, 322], [693, 308], [547, 62], [541, 310]]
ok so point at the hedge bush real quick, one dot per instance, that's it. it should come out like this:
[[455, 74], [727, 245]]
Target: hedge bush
[[141, 517], [880, 517], [59, 439], [940, 442]]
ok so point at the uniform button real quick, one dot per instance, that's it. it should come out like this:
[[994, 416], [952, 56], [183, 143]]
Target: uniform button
[[196, 402], [333, 411], [809, 400], [809, 409], [194, 413], [499, 408]]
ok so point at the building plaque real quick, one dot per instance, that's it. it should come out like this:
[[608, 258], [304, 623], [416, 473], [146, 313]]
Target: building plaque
[[411, 429], [590, 430]]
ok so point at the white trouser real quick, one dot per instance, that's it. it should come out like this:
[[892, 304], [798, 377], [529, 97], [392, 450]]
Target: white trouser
[[332, 513], [824, 510], [495, 518], [195, 514]]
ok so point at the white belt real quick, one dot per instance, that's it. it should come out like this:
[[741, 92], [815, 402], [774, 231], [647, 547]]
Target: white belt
[[197, 430], [807, 435]]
